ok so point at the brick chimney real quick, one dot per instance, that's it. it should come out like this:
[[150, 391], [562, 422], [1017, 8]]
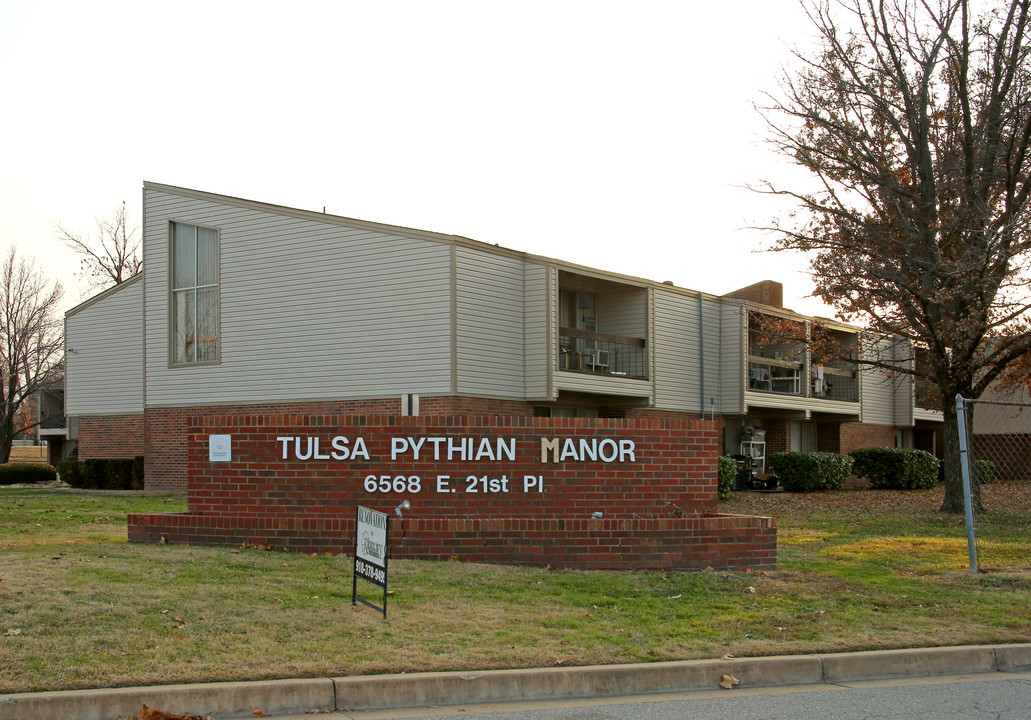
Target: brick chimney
[[766, 292]]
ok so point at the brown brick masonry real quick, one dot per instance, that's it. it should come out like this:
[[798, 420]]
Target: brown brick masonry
[[165, 455], [855, 436], [690, 543], [658, 504], [110, 436]]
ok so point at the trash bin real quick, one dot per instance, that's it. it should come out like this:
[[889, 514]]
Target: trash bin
[[744, 472]]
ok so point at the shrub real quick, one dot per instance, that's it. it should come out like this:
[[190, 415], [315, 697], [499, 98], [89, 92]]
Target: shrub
[[119, 474], [137, 473], [94, 474], [105, 474], [804, 472], [984, 472], [726, 471], [896, 468], [26, 473], [70, 472]]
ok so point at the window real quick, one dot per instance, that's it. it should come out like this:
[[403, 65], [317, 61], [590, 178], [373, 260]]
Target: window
[[194, 294]]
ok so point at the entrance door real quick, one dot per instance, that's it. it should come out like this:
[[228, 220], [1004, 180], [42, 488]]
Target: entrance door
[[797, 437]]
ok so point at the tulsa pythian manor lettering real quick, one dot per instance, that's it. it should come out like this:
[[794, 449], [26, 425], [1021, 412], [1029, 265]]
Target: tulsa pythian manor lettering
[[552, 450]]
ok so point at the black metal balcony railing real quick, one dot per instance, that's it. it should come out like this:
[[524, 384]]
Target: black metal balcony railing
[[787, 377], [834, 382], [602, 354]]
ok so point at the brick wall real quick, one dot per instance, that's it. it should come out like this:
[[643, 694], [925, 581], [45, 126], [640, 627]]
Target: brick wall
[[828, 437], [678, 543], [672, 461], [166, 431], [855, 436], [765, 292], [473, 406], [111, 436], [165, 455], [658, 504], [652, 413], [778, 436]]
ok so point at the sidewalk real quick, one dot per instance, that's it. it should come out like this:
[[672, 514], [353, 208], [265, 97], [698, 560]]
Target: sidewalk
[[379, 692]]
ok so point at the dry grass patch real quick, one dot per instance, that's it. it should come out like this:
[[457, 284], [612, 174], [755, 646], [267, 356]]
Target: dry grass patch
[[857, 570]]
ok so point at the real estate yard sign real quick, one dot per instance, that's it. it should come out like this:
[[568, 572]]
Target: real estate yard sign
[[371, 548]]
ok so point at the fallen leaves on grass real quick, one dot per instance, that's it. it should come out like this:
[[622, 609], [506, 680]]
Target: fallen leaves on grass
[[1011, 496]]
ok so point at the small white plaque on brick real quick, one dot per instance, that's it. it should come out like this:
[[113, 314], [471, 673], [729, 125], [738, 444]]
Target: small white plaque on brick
[[220, 448]]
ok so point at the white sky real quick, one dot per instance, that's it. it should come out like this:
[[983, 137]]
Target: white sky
[[615, 135]]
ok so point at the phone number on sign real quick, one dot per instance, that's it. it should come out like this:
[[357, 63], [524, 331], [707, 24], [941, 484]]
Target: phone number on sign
[[449, 484], [370, 572]]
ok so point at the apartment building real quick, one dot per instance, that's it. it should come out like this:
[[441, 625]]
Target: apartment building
[[244, 305]]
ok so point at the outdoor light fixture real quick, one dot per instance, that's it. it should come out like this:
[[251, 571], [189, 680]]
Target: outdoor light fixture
[[403, 506]]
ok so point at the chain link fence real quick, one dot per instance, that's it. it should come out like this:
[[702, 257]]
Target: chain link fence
[[1000, 440], [998, 450]]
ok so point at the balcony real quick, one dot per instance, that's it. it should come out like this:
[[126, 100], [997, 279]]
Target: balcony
[[595, 353], [832, 382], [775, 375]]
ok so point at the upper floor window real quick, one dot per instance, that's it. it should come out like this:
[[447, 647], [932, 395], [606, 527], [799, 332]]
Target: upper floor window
[[195, 326]]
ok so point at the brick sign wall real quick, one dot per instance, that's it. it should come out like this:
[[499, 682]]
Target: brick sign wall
[[496, 489]]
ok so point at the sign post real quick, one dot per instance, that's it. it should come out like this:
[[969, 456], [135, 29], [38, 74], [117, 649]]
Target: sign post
[[371, 549]]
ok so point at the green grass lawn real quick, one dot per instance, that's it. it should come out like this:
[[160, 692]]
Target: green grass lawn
[[80, 607]]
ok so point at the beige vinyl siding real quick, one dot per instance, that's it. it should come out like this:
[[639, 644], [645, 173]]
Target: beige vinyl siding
[[732, 361], [553, 319], [622, 310], [903, 386], [877, 391], [711, 334], [309, 310], [491, 357], [105, 362], [602, 385], [677, 352], [537, 357]]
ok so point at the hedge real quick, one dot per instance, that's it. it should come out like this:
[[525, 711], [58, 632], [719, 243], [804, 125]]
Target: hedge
[[896, 468], [984, 472], [103, 474], [26, 473], [805, 472], [726, 470]]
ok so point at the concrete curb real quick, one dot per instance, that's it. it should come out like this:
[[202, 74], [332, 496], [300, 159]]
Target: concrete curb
[[381, 692]]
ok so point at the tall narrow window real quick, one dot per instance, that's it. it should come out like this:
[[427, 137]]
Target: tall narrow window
[[195, 324]]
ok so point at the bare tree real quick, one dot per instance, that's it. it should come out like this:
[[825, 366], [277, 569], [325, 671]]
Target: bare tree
[[110, 257], [914, 118], [31, 342]]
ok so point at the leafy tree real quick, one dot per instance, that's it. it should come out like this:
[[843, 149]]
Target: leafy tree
[[31, 340], [914, 120], [112, 256]]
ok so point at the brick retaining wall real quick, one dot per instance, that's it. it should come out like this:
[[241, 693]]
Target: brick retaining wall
[[658, 500], [166, 428], [689, 543]]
